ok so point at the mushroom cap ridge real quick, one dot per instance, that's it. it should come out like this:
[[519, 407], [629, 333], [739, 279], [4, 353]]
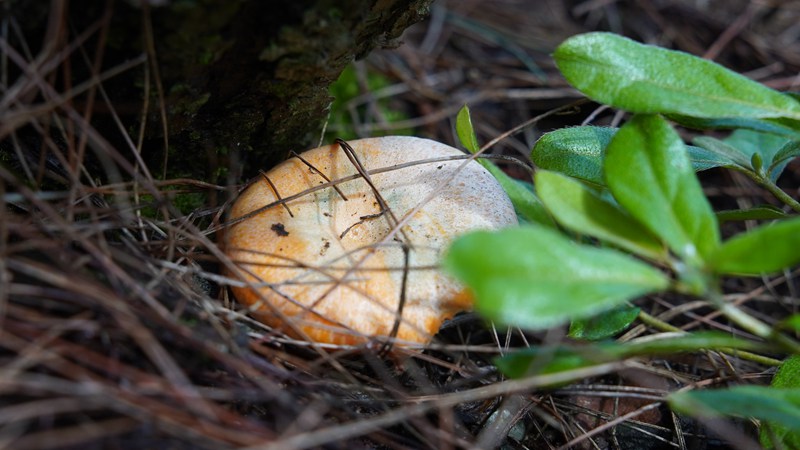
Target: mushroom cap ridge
[[330, 268]]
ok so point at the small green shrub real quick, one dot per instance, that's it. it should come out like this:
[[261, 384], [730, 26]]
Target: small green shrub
[[634, 191]]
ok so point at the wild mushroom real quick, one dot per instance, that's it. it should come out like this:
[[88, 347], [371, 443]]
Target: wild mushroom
[[332, 264]]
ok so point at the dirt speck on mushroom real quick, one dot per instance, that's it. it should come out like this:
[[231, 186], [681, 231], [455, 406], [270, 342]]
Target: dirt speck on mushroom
[[279, 229]]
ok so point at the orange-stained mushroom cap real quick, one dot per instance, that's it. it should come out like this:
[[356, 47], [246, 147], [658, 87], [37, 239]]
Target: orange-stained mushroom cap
[[336, 268]]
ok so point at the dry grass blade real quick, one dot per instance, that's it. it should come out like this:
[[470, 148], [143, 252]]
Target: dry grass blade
[[117, 329]]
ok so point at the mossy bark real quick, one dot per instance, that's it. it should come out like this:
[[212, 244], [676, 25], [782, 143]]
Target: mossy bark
[[244, 82], [263, 73]]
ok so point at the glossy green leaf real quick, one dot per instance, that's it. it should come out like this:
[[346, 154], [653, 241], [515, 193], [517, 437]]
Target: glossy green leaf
[[778, 406], [579, 209], [625, 74], [766, 249], [604, 325], [648, 172], [535, 277], [761, 212], [579, 152], [788, 376], [526, 203], [548, 360]]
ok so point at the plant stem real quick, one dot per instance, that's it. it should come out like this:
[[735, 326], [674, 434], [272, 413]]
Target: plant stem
[[659, 324], [782, 196], [773, 188], [750, 323]]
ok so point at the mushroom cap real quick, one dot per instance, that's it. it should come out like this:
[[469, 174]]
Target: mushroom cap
[[334, 270]]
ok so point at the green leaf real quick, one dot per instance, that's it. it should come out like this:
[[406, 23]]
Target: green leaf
[[787, 128], [648, 172], [761, 212], [788, 376], [465, 130], [754, 144], [704, 159], [748, 150], [670, 343], [792, 323], [768, 248], [778, 406], [604, 325], [579, 209], [782, 157], [563, 357], [535, 278], [526, 203], [722, 154], [764, 154], [577, 152], [639, 78]]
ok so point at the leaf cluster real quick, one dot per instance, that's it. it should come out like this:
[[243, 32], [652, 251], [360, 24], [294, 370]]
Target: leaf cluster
[[619, 213]]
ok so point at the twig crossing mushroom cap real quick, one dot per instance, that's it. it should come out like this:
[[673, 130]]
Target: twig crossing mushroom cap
[[339, 271]]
